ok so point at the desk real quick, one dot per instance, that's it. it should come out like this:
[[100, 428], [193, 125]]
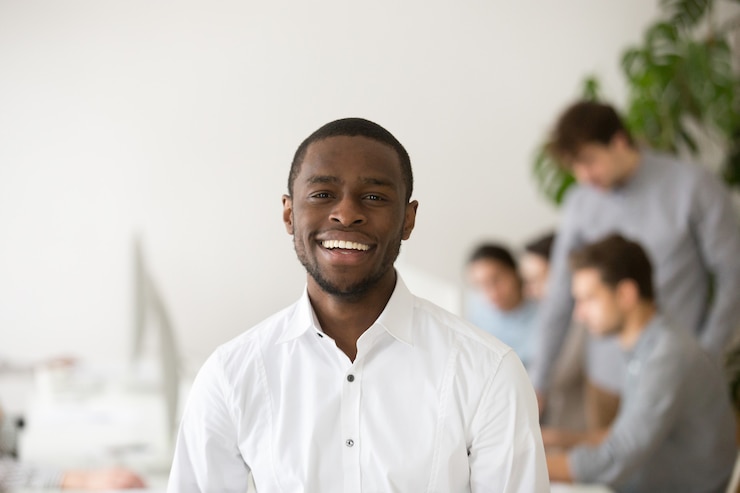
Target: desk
[[160, 486], [155, 484], [578, 488], [99, 423]]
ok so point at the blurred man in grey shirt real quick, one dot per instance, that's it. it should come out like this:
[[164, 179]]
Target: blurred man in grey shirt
[[681, 214], [675, 430]]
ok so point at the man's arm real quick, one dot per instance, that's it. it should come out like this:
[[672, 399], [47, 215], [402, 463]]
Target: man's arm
[[718, 232], [558, 467], [115, 478], [506, 452], [640, 427], [557, 438], [555, 311], [207, 456]]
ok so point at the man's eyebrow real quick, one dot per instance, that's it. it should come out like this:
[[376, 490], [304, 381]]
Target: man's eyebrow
[[321, 179], [376, 181], [318, 179]]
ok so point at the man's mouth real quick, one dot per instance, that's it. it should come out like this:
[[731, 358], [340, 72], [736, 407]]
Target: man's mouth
[[344, 245]]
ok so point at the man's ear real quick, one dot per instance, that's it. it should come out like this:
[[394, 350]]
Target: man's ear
[[619, 141], [409, 219], [288, 213], [628, 294]]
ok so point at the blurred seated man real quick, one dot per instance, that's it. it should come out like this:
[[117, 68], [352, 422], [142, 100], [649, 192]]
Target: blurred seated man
[[15, 474], [675, 428], [498, 304]]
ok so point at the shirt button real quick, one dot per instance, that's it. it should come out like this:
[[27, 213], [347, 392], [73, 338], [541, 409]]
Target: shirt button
[[349, 442], [319, 334], [350, 378]]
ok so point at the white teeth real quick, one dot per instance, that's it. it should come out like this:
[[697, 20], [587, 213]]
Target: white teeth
[[344, 245]]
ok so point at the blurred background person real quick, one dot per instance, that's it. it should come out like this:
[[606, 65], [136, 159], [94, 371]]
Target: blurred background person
[[497, 303], [566, 407], [534, 265], [675, 428]]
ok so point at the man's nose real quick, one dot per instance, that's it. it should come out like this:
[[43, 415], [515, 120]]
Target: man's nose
[[348, 211]]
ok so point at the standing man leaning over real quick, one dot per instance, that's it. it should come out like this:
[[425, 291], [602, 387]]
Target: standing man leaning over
[[359, 386], [679, 212], [675, 430]]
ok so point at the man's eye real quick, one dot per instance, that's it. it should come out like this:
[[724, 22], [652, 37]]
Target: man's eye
[[373, 197], [320, 195]]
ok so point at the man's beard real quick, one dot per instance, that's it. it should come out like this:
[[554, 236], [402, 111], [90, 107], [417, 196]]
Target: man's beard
[[353, 292]]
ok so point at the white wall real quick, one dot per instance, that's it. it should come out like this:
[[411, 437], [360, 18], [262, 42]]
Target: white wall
[[178, 120]]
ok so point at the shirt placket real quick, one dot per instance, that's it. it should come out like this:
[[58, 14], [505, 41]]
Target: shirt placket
[[351, 426], [351, 409]]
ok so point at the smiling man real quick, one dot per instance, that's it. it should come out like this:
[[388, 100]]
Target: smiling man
[[359, 386]]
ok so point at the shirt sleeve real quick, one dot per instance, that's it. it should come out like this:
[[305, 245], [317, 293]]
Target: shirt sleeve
[[207, 456], [14, 474], [555, 311], [641, 426], [506, 453], [718, 233]]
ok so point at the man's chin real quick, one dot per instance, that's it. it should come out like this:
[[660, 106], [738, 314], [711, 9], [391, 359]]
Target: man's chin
[[345, 290]]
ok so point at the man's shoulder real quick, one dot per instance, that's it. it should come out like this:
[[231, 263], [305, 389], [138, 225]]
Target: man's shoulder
[[670, 345], [256, 337], [575, 195], [668, 167]]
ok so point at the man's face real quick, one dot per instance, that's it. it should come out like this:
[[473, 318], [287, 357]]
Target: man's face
[[348, 214], [600, 165], [497, 282], [535, 270], [597, 305]]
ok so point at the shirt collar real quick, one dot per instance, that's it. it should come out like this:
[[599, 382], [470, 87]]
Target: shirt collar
[[300, 320], [398, 314], [396, 317]]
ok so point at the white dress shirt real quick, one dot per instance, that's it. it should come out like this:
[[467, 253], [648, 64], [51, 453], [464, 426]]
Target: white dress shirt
[[430, 404]]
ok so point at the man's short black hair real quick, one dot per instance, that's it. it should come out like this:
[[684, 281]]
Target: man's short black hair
[[353, 127], [495, 252], [541, 246]]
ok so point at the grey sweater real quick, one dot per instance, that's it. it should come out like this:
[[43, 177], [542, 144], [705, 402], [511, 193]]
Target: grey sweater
[[675, 431]]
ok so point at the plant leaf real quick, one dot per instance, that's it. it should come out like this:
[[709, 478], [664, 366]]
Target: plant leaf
[[686, 14]]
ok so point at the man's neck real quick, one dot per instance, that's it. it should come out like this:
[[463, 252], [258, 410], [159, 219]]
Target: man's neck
[[345, 320], [635, 324]]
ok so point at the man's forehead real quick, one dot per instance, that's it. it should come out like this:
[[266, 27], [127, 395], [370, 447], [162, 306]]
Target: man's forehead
[[587, 277], [377, 159], [356, 144]]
